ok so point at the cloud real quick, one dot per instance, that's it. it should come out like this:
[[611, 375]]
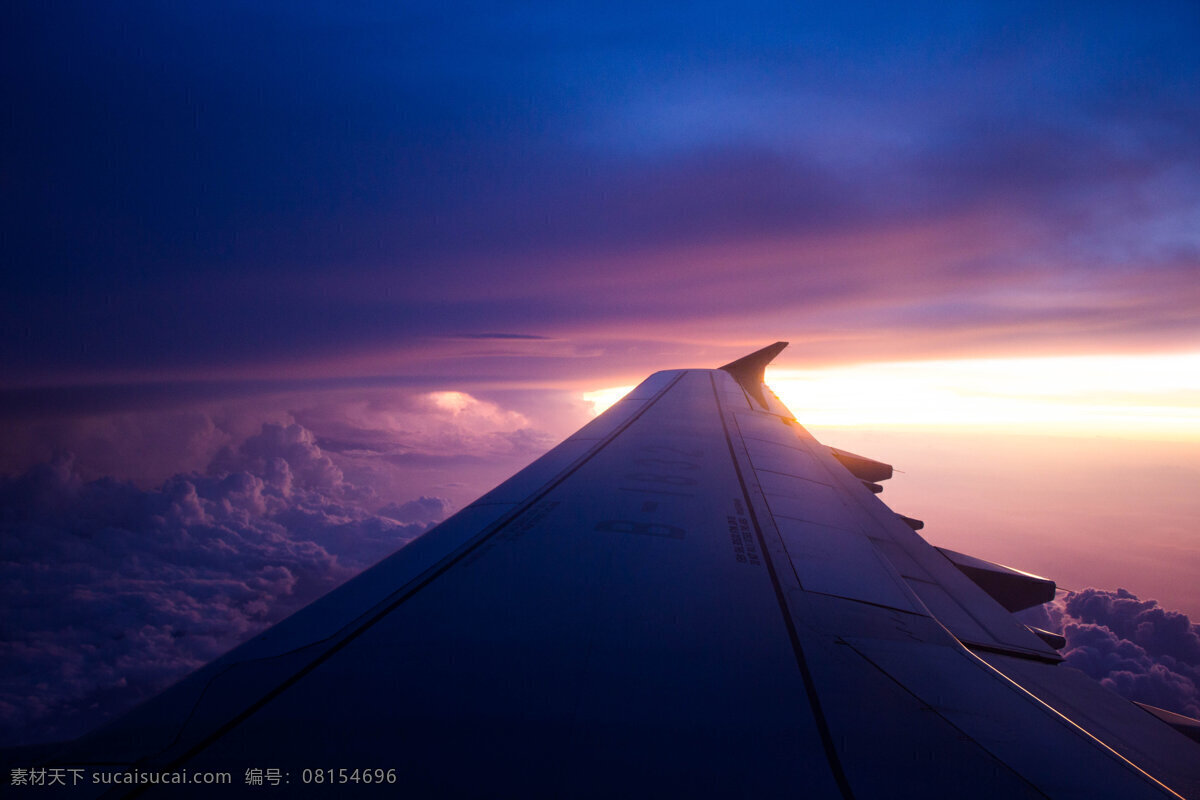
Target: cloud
[[516, 336], [118, 576], [113, 591], [1135, 647], [429, 424], [1160, 631], [288, 455], [423, 509]]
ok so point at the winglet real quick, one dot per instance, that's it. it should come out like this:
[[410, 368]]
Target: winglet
[[749, 370]]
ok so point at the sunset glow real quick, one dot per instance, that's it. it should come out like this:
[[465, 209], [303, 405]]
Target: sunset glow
[[602, 399], [1149, 396], [1154, 396]]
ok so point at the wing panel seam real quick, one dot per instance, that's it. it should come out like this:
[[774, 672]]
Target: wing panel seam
[[831, 754]]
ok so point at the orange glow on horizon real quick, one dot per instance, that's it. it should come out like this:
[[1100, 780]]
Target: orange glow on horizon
[[1148, 396], [603, 399]]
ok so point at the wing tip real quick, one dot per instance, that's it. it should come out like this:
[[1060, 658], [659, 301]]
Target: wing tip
[[749, 370]]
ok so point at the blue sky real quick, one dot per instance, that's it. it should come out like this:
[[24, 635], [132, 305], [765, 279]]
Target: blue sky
[[220, 186]]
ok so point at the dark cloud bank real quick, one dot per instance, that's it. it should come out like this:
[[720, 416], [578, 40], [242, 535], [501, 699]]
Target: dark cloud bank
[[111, 591], [1135, 647]]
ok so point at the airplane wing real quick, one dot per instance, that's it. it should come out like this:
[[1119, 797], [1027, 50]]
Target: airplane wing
[[691, 596]]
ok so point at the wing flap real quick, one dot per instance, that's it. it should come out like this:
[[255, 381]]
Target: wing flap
[[1011, 588], [1027, 736], [1112, 719], [780, 455], [843, 563]]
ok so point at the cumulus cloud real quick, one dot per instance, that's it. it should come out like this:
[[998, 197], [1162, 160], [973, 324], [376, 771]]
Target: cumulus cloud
[[423, 509], [1135, 647], [113, 591], [137, 545], [425, 423]]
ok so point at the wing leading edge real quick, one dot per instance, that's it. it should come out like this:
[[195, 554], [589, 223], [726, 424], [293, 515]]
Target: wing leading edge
[[691, 595]]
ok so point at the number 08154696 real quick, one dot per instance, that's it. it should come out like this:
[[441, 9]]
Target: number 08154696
[[331, 775]]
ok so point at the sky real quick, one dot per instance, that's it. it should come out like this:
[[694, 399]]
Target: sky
[[286, 283]]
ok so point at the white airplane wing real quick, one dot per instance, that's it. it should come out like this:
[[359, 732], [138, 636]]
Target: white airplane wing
[[690, 597]]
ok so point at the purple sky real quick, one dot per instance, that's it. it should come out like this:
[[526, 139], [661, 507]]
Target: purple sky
[[340, 269], [227, 191]]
